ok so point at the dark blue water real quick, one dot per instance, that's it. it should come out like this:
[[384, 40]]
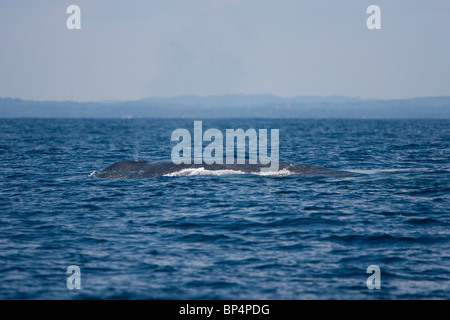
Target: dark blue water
[[230, 236]]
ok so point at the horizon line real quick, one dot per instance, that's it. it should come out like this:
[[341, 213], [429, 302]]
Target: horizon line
[[114, 101]]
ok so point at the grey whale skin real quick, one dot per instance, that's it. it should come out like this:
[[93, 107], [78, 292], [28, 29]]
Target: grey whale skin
[[136, 169]]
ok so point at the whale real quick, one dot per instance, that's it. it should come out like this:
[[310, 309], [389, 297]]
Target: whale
[[138, 169]]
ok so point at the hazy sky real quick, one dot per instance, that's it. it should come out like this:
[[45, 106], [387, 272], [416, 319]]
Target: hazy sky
[[135, 49]]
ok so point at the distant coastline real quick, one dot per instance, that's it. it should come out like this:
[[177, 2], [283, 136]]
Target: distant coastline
[[234, 106]]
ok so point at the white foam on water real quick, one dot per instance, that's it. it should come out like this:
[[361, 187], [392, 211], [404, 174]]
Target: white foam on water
[[93, 173], [280, 173], [202, 171]]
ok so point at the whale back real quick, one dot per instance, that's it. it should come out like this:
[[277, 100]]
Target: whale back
[[135, 169], [123, 170]]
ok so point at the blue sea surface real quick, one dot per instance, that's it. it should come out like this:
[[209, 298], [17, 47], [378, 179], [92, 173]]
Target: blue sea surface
[[238, 236]]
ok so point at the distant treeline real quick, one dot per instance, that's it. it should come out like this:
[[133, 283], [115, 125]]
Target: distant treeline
[[233, 106]]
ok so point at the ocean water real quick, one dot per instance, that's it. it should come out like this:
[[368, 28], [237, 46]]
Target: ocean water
[[227, 236]]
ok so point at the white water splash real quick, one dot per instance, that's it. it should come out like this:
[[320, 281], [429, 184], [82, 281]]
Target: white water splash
[[280, 173], [202, 171], [93, 173]]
